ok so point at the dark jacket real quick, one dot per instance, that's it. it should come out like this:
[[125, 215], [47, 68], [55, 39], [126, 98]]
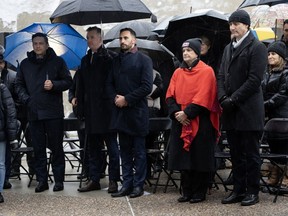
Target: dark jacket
[[275, 94], [8, 77], [8, 121], [132, 77], [240, 77], [286, 43], [93, 104], [30, 80]]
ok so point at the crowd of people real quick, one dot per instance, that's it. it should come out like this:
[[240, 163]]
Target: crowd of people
[[115, 94]]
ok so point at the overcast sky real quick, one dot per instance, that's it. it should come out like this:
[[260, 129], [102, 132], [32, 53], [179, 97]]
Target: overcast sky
[[10, 9]]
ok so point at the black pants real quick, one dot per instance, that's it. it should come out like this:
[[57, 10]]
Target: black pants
[[48, 134], [246, 161], [194, 182], [96, 160]]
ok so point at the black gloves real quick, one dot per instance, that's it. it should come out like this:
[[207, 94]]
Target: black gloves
[[227, 104]]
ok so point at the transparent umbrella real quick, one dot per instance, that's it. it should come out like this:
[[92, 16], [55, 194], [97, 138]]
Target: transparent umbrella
[[265, 16], [248, 3]]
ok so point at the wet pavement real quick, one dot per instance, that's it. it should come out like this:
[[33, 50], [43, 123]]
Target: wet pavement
[[21, 200]]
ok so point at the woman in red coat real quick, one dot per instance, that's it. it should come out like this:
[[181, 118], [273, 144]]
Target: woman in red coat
[[193, 107]]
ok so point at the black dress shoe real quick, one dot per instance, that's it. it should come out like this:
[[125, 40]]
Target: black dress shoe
[[7, 184], [184, 199], [42, 186], [122, 192], [58, 186], [113, 187], [91, 185], [1, 198], [250, 199], [196, 198], [137, 192], [233, 198]]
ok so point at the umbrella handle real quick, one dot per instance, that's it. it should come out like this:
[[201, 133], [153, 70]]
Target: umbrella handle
[[167, 50]]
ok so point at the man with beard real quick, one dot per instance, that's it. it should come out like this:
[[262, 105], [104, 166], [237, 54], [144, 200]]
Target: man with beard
[[129, 83]]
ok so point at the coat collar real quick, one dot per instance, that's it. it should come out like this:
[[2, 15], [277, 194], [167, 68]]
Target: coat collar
[[245, 43]]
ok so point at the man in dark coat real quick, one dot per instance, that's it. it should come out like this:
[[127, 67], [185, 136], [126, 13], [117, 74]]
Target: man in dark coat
[[284, 37], [95, 107], [128, 86], [40, 82], [239, 92]]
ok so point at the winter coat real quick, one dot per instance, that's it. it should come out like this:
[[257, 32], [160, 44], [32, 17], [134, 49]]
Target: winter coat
[[240, 76], [286, 43], [93, 104], [275, 94], [42, 104], [8, 121], [200, 156], [8, 77], [131, 76]]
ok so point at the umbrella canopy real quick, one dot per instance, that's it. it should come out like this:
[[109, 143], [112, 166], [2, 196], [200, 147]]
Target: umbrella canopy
[[265, 16], [211, 23], [263, 33], [85, 12], [157, 53], [248, 3], [161, 27], [64, 39], [142, 29]]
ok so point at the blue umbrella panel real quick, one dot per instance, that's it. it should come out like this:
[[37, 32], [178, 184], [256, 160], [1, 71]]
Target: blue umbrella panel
[[64, 39]]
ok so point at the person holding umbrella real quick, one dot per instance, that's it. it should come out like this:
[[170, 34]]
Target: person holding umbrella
[[130, 82], [40, 82], [240, 95]]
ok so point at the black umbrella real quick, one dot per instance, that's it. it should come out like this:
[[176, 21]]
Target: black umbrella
[[157, 52], [248, 3], [85, 12], [142, 29], [210, 23], [161, 27]]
